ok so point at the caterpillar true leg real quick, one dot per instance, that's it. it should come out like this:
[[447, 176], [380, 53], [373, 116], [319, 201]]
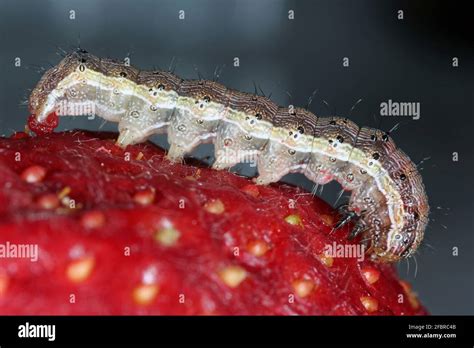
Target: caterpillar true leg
[[359, 228], [347, 216]]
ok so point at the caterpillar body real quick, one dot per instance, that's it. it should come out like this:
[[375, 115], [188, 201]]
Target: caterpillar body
[[388, 199]]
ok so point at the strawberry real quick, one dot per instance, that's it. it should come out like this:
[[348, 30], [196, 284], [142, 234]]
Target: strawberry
[[128, 232]]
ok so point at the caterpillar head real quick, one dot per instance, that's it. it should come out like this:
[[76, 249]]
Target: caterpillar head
[[411, 217], [403, 243], [398, 244]]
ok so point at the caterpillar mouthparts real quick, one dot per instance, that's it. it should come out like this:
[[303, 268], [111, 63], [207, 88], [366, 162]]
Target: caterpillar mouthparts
[[388, 201]]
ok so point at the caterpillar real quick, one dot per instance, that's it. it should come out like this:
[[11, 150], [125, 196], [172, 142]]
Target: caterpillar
[[388, 201]]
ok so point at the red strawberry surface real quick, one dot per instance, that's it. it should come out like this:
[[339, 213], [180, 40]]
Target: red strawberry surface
[[127, 232]]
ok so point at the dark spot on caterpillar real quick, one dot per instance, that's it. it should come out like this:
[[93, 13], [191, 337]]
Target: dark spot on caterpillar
[[350, 176], [82, 68], [227, 141], [135, 114], [123, 74], [291, 151], [385, 137], [153, 108], [161, 86], [200, 83], [301, 129], [403, 177], [258, 116], [375, 156], [83, 60], [200, 121], [181, 127], [293, 112], [332, 159], [330, 141], [340, 138], [254, 98], [415, 215], [332, 123], [207, 99], [248, 137], [373, 137], [362, 171], [344, 120]]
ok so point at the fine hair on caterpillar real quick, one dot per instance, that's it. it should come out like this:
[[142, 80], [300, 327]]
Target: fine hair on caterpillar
[[388, 201]]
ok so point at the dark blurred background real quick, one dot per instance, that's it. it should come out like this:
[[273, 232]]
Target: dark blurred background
[[407, 60]]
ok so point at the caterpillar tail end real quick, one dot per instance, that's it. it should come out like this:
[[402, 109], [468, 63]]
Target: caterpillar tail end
[[42, 125], [40, 118]]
